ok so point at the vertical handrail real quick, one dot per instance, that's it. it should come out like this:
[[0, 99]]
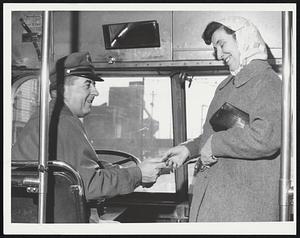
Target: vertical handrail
[[285, 166], [44, 118]]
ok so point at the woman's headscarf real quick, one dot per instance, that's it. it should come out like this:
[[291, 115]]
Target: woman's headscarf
[[250, 43]]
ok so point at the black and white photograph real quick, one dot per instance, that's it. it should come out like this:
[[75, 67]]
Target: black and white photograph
[[149, 118]]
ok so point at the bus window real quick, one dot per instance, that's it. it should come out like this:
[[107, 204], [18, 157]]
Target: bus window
[[25, 102], [134, 115], [198, 98]]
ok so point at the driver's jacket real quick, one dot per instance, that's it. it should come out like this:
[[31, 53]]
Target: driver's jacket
[[68, 142]]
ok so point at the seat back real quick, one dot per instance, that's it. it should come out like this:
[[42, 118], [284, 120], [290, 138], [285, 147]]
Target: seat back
[[65, 202]]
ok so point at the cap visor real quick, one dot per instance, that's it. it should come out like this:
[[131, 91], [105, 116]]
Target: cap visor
[[95, 77], [83, 71], [92, 76]]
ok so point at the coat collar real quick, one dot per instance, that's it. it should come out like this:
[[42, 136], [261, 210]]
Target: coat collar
[[225, 82], [248, 72]]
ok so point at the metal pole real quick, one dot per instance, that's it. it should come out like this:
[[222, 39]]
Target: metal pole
[[44, 118], [285, 182]]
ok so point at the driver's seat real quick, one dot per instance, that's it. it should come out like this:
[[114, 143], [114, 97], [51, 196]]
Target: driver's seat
[[66, 201]]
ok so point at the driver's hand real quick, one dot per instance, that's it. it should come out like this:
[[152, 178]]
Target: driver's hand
[[150, 169]]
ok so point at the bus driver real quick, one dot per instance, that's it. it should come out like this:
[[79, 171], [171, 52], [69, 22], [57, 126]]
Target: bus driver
[[72, 92]]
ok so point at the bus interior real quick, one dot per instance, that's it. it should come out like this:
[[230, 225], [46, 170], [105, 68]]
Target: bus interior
[[159, 79]]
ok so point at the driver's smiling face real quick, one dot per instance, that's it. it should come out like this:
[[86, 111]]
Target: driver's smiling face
[[79, 95]]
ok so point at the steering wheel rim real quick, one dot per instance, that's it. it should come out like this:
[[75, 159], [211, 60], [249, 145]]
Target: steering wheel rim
[[128, 156]]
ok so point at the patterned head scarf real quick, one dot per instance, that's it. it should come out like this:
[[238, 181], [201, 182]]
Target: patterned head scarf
[[250, 43]]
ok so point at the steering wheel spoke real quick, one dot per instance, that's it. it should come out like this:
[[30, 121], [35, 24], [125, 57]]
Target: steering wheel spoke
[[127, 157]]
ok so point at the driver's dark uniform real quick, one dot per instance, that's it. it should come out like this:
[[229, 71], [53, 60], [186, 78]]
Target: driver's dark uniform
[[68, 142]]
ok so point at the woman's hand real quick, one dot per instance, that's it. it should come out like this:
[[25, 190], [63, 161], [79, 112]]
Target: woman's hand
[[176, 156]]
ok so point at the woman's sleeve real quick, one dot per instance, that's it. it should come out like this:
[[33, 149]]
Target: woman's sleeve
[[262, 137], [193, 146]]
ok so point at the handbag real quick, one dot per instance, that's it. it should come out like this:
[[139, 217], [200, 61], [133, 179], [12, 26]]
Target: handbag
[[228, 116]]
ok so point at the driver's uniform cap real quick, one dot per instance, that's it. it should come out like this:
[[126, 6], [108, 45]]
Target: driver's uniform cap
[[78, 64]]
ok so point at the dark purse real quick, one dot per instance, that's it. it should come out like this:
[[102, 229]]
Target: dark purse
[[228, 116]]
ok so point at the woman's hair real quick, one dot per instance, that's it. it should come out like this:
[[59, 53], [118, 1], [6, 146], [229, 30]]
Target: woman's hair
[[211, 28]]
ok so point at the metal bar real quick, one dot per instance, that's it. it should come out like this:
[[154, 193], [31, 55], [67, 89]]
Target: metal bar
[[285, 174], [179, 132], [44, 118], [160, 66]]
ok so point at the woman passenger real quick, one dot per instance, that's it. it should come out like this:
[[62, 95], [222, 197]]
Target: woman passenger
[[239, 177]]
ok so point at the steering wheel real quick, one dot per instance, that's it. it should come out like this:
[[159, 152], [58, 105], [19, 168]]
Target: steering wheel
[[127, 157]]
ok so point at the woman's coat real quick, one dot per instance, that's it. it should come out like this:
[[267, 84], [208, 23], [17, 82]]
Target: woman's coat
[[244, 184]]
